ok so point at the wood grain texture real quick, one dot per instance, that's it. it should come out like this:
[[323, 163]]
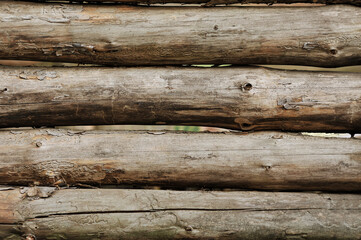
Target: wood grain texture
[[267, 161], [152, 214], [238, 98], [209, 2], [123, 35]]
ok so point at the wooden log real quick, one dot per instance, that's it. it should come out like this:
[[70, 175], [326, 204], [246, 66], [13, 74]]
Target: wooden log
[[152, 214], [266, 161], [123, 35], [209, 2], [238, 98]]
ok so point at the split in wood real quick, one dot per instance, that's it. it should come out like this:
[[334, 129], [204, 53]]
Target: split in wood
[[152, 214]]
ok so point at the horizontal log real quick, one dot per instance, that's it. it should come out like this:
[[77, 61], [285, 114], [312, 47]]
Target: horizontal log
[[238, 98], [117, 35], [267, 161], [154, 214], [209, 2]]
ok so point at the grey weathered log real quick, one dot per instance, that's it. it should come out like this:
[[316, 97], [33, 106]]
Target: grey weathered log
[[123, 35], [156, 214], [268, 161], [210, 2], [238, 98]]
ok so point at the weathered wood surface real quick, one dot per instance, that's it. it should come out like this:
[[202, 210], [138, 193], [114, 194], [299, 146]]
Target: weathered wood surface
[[268, 161], [238, 98], [123, 35], [209, 2], [154, 214]]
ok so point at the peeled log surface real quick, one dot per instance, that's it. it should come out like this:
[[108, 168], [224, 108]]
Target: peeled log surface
[[211, 2], [154, 214], [123, 35], [239, 98], [267, 161]]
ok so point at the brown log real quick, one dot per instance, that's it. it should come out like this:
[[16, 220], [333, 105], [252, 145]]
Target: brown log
[[238, 98], [151, 214], [209, 2], [123, 35], [267, 161]]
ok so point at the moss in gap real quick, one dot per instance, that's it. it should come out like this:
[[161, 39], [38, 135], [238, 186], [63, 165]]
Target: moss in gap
[[187, 128]]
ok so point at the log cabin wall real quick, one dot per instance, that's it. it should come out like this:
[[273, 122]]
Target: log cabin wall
[[263, 178]]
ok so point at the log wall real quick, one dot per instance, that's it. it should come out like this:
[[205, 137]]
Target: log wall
[[243, 98]]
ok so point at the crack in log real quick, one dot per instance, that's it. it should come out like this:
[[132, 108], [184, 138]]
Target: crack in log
[[186, 209]]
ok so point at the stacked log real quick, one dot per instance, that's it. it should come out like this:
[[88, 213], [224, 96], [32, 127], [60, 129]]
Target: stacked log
[[132, 36], [151, 214], [237, 98], [243, 184], [264, 160]]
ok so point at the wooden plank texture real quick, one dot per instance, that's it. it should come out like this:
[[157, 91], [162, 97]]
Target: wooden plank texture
[[156, 214], [123, 35], [267, 161], [239, 98]]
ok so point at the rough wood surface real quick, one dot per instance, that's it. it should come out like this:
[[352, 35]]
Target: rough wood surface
[[151, 214], [268, 161], [123, 35], [209, 2], [238, 98]]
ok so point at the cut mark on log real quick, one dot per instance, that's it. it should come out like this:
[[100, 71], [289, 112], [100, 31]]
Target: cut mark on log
[[294, 104], [61, 20], [287, 104], [310, 45], [56, 133], [38, 75]]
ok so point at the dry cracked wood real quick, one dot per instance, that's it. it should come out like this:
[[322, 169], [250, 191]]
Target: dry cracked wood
[[238, 98], [208, 2], [150, 214], [268, 161], [122, 35]]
